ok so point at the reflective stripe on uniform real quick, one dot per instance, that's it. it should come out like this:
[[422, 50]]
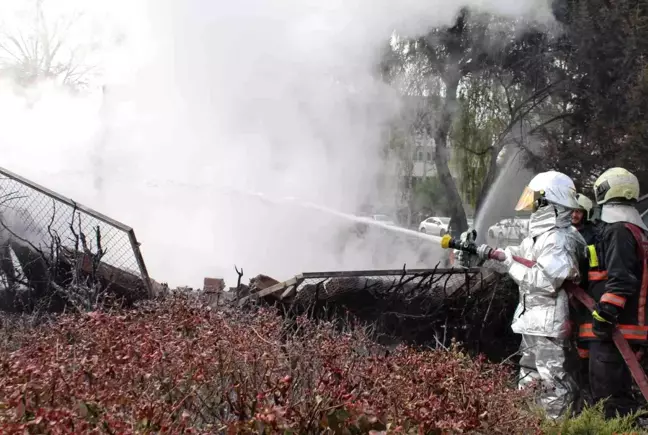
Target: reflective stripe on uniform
[[630, 332], [593, 258], [585, 331], [616, 300], [597, 275]]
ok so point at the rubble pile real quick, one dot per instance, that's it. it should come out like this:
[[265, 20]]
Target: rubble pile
[[430, 308]]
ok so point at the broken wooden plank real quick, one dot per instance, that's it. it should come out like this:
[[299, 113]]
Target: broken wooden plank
[[289, 292]]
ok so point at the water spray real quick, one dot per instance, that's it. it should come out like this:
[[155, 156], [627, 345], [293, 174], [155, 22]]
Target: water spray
[[429, 237], [350, 217], [291, 200]]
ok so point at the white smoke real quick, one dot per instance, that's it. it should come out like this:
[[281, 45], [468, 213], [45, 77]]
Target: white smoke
[[209, 99]]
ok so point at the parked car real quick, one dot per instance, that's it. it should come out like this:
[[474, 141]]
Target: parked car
[[435, 225], [509, 231]]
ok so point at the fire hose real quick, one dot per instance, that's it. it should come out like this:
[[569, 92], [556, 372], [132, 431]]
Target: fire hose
[[486, 252]]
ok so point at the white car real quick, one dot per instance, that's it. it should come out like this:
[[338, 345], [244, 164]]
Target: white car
[[435, 225], [509, 231]]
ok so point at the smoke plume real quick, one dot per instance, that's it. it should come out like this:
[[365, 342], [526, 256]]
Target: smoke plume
[[207, 103]]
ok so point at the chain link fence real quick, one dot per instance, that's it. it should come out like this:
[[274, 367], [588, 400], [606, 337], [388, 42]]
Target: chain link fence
[[53, 246]]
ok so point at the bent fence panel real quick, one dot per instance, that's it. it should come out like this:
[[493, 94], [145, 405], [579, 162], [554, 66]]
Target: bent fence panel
[[40, 228]]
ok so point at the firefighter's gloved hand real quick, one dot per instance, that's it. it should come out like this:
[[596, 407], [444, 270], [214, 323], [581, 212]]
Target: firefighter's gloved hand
[[502, 267], [604, 320], [508, 261]]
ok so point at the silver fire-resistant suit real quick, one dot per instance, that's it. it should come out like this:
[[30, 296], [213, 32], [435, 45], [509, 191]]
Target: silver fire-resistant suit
[[542, 315]]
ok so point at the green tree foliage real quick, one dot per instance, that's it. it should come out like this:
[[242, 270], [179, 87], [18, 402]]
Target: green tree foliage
[[479, 122], [574, 99], [493, 86], [471, 141], [429, 197], [432, 67]]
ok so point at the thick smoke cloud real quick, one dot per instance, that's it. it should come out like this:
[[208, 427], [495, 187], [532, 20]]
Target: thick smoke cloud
[[207, 102]]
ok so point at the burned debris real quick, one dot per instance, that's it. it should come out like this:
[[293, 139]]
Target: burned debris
[[420, 307]]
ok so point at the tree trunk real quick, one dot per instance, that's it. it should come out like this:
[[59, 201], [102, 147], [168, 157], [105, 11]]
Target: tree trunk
[[455, 205]]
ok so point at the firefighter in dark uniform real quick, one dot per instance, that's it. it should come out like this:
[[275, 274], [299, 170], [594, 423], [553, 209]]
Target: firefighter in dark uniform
[[582, 221], [618, 282], [582, 218]]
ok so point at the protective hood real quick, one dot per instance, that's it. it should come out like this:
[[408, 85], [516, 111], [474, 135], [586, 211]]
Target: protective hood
[[612, 213], [548, 217]]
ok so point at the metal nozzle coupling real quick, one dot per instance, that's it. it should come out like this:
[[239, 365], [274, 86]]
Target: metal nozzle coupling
[[484, 252], [466, 245]]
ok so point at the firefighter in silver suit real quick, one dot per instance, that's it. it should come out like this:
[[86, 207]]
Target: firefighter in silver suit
[[542, 314]]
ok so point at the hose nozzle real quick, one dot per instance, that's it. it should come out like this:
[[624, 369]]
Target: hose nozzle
[[446, 241], [466, 245]]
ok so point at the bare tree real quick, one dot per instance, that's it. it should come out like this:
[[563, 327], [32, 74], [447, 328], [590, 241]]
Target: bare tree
[[42, 48]]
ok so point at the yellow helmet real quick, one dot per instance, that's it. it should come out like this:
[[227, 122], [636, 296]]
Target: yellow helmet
[[616, 183], [585, 204]]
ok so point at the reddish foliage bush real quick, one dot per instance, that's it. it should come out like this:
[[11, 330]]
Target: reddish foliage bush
[[176, 367]]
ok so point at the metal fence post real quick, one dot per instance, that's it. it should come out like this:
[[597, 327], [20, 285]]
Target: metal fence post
[[140, 262]]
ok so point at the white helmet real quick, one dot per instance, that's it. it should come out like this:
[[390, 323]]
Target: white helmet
[[616, 183], [585, 204], [552, 187]]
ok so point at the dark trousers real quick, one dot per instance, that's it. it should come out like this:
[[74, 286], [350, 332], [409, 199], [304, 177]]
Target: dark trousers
[[610, 379]]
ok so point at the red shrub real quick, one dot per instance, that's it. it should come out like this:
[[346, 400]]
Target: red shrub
[[175, 367]]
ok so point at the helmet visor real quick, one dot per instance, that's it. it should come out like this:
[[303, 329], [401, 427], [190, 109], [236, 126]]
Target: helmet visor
[[527, 200]]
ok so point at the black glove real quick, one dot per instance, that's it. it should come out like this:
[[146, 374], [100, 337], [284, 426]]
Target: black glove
[[604, 320]]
